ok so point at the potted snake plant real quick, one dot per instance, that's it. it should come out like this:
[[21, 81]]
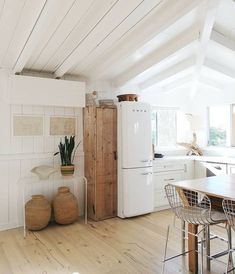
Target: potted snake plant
[[67, 152]]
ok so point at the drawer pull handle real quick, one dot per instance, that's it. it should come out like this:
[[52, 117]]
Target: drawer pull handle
[[145, 161], [218, 167], [167, 180]]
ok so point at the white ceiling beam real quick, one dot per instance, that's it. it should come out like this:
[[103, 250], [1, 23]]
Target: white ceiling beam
[[180, 67], [211, 64], [35, 35], [179, 83], [207, 14], [222, 40], [174, 46], [210, 83], [166, 15]]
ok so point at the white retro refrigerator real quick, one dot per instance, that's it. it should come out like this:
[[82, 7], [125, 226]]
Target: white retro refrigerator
[[135, 185]]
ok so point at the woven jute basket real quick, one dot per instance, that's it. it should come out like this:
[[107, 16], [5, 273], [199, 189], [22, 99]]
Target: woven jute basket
[[65, 206], [37, 212]]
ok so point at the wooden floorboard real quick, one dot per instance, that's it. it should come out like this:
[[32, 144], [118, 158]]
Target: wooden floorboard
[[112, 246]]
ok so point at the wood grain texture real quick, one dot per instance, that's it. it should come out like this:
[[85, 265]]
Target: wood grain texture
[[193, 245], [100, 146], [217, 186], [112, 246]]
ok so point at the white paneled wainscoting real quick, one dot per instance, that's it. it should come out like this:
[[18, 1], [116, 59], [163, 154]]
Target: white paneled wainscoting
[[15, 167], [26, 152]]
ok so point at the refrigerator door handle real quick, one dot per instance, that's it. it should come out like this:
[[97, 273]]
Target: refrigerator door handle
[[146, 173]]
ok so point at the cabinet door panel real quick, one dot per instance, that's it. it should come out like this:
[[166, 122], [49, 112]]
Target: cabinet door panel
[[231, 169], [161, 180], [100, 146], [160, 199], [106, 162], [106, 197]]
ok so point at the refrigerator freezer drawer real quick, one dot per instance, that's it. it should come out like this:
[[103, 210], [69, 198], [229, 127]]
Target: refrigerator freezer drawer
[[138, 194]]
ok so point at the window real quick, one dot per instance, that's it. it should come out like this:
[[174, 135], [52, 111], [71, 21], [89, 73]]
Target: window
[[164, 125], [219, 125]]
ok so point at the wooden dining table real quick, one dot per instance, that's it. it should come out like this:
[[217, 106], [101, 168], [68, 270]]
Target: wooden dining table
[[216, 188]]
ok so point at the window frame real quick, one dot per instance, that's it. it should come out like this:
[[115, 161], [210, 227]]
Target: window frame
[[230, 139], [158, 108]]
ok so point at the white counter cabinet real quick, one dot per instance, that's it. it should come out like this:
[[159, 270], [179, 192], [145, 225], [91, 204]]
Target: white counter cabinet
[[199, 169], [231, 169], [176, 168], [164, 172]]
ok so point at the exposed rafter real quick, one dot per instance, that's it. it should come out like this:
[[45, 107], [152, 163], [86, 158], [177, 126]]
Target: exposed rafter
[[223, 40], [179, 83], [211, 83], [167, 15], [175, 45], [179, 68], [211, 64], [208, 13]]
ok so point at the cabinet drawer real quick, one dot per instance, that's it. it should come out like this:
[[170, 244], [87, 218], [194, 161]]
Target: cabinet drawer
[[160, 199], [161, 180], [169, 167]]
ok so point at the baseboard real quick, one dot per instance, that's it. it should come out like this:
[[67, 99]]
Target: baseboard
[[9, 226]]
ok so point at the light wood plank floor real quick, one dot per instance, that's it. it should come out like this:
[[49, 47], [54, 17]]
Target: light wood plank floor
[[113, 246]]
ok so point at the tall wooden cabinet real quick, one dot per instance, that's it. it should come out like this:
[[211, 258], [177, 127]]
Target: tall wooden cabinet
[[100, 146]]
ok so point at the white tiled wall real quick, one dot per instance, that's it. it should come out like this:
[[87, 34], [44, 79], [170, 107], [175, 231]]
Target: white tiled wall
[[28, 152]]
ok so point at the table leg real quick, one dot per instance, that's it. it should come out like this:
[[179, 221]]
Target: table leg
[[85, 198], [193, 245]]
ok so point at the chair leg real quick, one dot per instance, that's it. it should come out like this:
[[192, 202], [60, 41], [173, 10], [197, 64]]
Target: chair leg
[[230, 254], [228, 263], [165, 251], [202, 251], [208, 248], [183, 237]]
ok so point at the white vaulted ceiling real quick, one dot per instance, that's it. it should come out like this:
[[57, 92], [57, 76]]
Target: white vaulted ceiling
[[146, 43]]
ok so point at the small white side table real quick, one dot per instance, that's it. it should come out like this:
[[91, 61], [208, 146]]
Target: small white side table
[[33, 185]]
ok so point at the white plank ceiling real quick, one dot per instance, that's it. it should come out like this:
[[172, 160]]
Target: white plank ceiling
[[147, 43]]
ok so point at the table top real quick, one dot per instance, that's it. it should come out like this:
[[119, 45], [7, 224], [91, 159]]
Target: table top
[[222, 186]]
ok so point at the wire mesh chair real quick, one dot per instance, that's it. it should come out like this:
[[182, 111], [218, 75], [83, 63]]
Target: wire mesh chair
[[194, 208], [229, 210]]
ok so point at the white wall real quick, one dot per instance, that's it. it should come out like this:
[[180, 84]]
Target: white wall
[[18, 155]]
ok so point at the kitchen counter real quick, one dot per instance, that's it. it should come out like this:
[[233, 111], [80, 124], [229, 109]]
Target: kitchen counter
[[213, 159]]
